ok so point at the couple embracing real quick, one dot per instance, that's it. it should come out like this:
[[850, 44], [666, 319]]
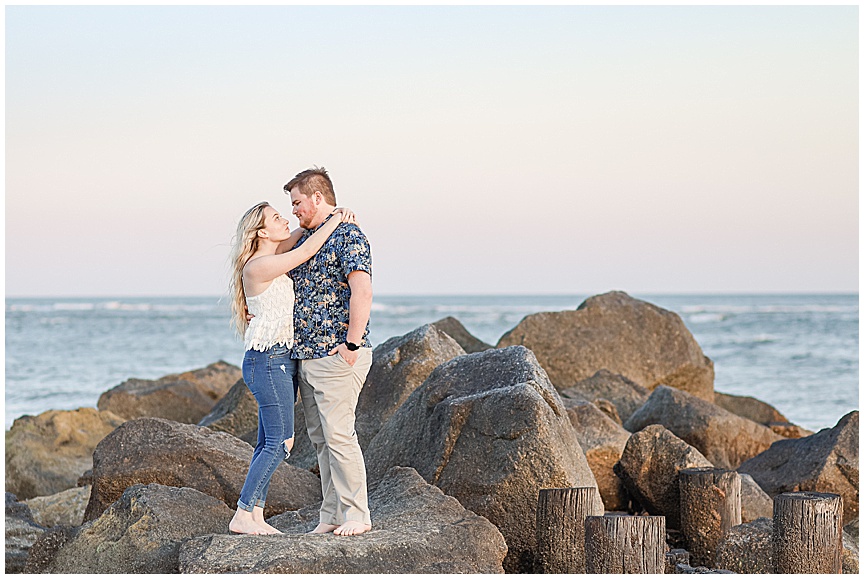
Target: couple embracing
[[308, 294]]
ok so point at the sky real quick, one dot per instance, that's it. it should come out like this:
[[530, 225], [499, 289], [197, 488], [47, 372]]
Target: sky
[[485, 150]]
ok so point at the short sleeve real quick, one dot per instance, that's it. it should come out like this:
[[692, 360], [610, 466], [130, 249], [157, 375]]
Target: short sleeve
[[356, 255]]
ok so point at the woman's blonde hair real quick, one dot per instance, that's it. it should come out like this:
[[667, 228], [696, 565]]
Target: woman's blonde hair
[[244, 246]]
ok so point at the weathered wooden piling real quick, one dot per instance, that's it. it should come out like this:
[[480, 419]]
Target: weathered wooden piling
[[561, 528], [623, 544], [808, 533], [710, 506]]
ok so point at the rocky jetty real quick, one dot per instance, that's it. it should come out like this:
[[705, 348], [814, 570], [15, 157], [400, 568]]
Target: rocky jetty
[[723, 438], [824, 462], [490, 430], [625, 395], [185, 397], [46, 454], [454, 328], [417, 529], [155, 450], [626, 336]]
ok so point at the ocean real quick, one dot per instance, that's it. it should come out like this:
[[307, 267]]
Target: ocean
[[796, 352]]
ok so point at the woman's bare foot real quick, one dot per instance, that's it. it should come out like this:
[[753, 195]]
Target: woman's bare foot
[[258, 517], [323, 528], [352, 528], [242, 523]]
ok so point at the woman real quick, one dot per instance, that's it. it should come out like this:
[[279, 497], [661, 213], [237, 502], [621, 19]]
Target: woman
[[260, 261]]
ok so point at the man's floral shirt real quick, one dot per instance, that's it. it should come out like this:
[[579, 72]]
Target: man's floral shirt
[[322, 293]]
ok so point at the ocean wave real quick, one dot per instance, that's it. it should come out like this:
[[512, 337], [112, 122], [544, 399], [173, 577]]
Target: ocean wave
[[705, 318], [768, 309]]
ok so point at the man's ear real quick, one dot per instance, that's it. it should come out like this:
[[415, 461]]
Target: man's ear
[[317, 197]]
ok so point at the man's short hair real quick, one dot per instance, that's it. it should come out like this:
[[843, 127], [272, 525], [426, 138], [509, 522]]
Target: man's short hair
[[311, 180]]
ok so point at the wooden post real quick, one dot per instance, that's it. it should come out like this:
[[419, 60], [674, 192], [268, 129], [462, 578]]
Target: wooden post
[[622, 544], [674, 557], [561, 528], [710, 506], [808, 533]]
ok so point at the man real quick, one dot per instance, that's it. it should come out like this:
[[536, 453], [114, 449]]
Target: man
[[331, 323]]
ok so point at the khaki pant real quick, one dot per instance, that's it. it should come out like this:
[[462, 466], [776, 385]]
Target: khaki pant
[[329, 388]]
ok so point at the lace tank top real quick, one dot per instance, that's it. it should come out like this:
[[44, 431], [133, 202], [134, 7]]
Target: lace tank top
[[273, 323]]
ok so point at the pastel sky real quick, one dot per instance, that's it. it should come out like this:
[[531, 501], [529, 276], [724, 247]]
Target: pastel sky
[[506, 150]]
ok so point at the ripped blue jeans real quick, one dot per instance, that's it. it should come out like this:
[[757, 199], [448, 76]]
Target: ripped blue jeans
[[270, 376]]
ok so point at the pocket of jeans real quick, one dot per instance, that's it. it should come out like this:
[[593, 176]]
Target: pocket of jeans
[[279, 352]]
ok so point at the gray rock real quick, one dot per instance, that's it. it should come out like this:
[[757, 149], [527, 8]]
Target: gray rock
[[236, 413], [630, 337], [21, 533], [749, 408], [417, 529], [155, 450], [490, 430], [185, 397], [850, 555], [454, 328], [399, 366], [649, 468], [142, 532], [852, 528], [45, 548], [724, 438], [626, 395], [746, 548], [603, 442], [825, 462], [46, 454], [755, 502], [65, 508]]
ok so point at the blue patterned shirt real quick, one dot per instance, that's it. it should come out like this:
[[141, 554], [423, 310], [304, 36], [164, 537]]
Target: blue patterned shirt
[[322, 293]]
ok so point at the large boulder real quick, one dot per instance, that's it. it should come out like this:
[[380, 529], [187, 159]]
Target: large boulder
[[603, 441], [155, 450], [399, 366], [142, 532], [825, 462], [46, 454], [630, 337], [454, 328], [65, 508], [236, 413], [626, 395], [490, 430], [755, 503], [649, 468], [21, 533], [724, 438], [185, 397], [761, 412], [417, 529]]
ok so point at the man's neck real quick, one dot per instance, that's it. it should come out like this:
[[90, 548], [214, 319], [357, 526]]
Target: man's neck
[[321, 217]]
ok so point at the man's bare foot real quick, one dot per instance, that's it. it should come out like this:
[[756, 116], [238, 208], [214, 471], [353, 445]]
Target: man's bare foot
[[352, 528], [258, 517], [323, 528]]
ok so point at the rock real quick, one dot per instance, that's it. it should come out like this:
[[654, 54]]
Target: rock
[[185, 397], [852, 529], [724, 438], [755, 502], [630, 337], [825, 462], [155, 450], [626, 395], [749, 408], [21, 533], [789, 430], [142, 532], [399, 366], [454, 328], [649, 469], [746, 548], [603, 442], [236, 413], [417, 530], [46, 454], [45, 548], [65, 508], [490, 430]]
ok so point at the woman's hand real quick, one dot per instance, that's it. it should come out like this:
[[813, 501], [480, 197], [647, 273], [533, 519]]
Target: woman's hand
[[346, 215]]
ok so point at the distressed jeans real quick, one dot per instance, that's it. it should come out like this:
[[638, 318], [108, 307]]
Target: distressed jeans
[[270, 377]]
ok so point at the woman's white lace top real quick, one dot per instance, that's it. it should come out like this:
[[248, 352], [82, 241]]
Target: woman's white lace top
[[273, 323]]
